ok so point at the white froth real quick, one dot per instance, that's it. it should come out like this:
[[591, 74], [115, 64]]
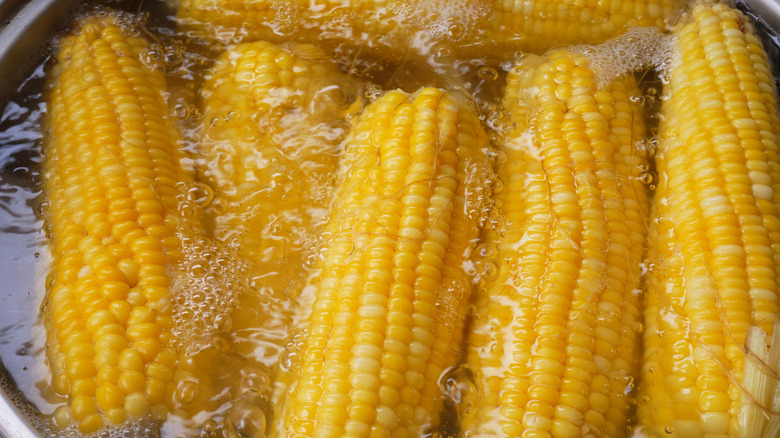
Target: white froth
[[638, 49], [205, 290]]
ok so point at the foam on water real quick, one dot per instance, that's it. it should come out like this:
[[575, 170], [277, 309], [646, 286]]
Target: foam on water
[[206, 290], [638, 49], [436, 20]]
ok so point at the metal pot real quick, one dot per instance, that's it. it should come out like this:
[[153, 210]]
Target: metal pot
[[767, 10], [25, 30]]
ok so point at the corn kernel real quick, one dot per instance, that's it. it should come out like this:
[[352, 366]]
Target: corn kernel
[[136, 404]]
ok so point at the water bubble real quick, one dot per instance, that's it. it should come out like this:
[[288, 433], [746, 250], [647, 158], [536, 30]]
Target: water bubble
[[288, 359], [669, 430], [186, 392], [372, 91], [200, 194], [152, 58], [455, 31], [245, 420], [487, 73], [489, 270], [457, 383], [208, 429], [223, 323], [181, 111], [648, 178], [186, 209], [173, 56], [255, 380], [442, 52]]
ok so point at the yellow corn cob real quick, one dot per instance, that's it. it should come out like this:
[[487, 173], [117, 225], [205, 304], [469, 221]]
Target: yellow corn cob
[[111, 170], [273, 119], [712, 288], [554, 346], [391, 298], [541, 24], [329, 23], [474, 27]]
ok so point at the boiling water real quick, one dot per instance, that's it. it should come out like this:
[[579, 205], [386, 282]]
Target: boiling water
[[243, 390]]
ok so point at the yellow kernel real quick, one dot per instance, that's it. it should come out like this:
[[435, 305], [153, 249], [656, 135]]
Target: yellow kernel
[[114, 290], [116, 415], [119, 252], [125, 231], [155, 293], [80, 337], [111, 341], [61, 417], [715, 422], [148, 257], [714, 401], [166, 338], [130, 360], [136, 404], [147, 348], [143, 330], [81, 406], [159, 371], [61, 384], [109, 396], [155, 390], [136, 297], [91, 423], [106, 358], [146, 243], [130, 268], [85, 387], [164, 321], [131, 381], [121, 310], [167, 357], [564, 429], [110, 328], [108, 273], [140, 314], [108, 374], [80, 369], [79, 351]]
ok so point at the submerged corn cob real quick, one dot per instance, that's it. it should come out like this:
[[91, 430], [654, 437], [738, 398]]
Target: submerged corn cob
[[541, 24], [712, 288], [330, 23], [476, 27], [554, 346], [391, 298], [111, 169], [270, 147]]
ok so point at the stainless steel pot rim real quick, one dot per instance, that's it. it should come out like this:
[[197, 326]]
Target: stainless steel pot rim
[[768, 11]]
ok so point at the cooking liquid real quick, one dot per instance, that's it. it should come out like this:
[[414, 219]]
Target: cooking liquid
[[217, 279]]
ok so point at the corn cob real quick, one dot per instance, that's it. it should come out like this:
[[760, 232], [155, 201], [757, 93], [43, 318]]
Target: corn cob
[[111, 170], [328, 24], [539, 25], [477, 27], [269, 144], [554, 345], [391, 298], [712, 290]]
